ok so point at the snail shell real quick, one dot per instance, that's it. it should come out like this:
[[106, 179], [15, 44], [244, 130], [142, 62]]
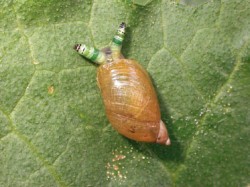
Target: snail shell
[[127, 91], [130, 101]]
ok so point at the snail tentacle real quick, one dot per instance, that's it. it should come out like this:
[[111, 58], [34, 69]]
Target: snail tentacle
[[91, 53], [117, 40]]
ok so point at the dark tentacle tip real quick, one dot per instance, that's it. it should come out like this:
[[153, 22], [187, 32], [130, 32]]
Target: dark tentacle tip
[[77, 47], [123, 25]]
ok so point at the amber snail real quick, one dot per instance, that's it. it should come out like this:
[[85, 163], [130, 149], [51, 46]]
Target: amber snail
[[128, 94]]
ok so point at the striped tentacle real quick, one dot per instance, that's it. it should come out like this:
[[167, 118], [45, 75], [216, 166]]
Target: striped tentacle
[[116, 44], [91, 53]]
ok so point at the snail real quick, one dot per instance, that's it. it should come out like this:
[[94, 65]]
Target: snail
[[127, 91]]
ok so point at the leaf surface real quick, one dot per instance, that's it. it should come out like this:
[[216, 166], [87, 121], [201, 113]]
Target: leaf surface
[[53, 128]]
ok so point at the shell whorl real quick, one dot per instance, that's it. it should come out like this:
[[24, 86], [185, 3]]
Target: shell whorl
[[130, 100]]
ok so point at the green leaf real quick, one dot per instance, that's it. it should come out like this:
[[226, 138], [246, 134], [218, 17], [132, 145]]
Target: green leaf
[[53, 128]]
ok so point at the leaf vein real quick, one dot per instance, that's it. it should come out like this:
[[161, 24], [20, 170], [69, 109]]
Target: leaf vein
[[213, 101]]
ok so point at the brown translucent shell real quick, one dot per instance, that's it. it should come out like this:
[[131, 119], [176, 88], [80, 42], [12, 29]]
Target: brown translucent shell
[[130, 101]]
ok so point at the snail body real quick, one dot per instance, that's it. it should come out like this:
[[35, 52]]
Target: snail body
[[128, 94]]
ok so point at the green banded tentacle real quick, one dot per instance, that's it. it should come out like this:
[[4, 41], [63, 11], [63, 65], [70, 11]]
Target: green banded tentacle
[[91, 53], [116, 44]]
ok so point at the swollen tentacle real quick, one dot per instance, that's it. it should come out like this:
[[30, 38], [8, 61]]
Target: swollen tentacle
[[116, 44], [91, 53]]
